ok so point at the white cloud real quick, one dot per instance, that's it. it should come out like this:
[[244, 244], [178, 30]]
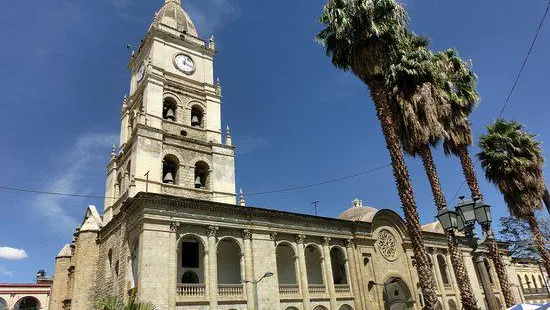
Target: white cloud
[[78, 165], [12, 253], [5, 272], [249, 144], [211, 15]]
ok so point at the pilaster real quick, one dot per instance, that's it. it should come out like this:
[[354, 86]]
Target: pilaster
[[353, 275], [328, 272], [213, 266], [304, 286], [249, 269]]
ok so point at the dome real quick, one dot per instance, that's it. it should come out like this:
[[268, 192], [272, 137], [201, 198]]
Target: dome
[[173, 16], [358, 212]]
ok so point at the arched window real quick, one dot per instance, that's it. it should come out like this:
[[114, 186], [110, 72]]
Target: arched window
[[527, 282], [27, 303], [169, 107], [314, 265], [346, 307], [202, 172], [320, 308], [135, 264], [286, 266], [534, 281], [443, 269], [197, 116], [338, 262], [118, 185], [452, 305], [109, 262], [3, 304], [229, 262], [170, 166], [520, 282], [190, 277]]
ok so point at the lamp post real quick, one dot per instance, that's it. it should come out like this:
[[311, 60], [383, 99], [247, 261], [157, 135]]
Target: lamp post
[[467, 213], [255, 285]]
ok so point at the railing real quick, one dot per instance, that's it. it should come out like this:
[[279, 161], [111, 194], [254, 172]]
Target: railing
[[230, 290], [342, 288], [533, 291], [191, 290], [289, 289], [317, 289]]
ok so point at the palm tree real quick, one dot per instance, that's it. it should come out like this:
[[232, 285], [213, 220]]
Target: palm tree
[[365, 36], [461, 86], [117, 303], [417, 102], [512, 160]]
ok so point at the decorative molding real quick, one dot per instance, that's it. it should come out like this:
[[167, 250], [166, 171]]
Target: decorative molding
[[386, 244], [174, 226], [273, 235], [211, 231], [325, 241], [300, 238], [246, 234], [349, 243]]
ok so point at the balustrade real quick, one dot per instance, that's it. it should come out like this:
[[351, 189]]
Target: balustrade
[[191, 290], [342, 288], [289, 289], [230, 290], [535, 291], [317, 289]]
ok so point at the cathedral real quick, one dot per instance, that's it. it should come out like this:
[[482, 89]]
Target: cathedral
[[174, 232]]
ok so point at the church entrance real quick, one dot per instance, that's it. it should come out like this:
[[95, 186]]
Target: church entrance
[[397, 295]]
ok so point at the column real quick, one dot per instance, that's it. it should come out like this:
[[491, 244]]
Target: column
[[173, 261], [304, 286], [248, 269], [213, 266], [328, 272], [353, 275]]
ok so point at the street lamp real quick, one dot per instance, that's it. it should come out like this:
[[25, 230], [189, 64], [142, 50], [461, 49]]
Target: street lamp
[[467, 213], [255, 284]]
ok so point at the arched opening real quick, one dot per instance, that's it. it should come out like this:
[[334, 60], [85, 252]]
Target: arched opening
[[534, 282], [338, 262], [443, 269], [291, 308], [170, 165], [320, 308], [520, 282], [191, 258], [286, 264], [397, 295], [135, 264], [3, 304], [346, 307], [202, 171], [190, 277], [527, 282], [118, 185], [229, 262], [452, 305], [541, 281], [197, 116], [110, 258], [169, 107], [314, 265], [27, 303]]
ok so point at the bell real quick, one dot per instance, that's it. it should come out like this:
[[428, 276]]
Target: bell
[[198, 183], [168, 178], [170, 115], [195, 121]]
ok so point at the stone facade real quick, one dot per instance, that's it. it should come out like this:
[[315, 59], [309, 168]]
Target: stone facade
[[172, 234], [27, 296], [530, 281]]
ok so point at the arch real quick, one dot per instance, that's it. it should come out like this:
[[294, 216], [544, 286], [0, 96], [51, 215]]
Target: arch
[[169, 108], [170, 169], [229, 261], [345, 307], [197, 116], [191, 259], [442, 264], [202, 173], [110, 258], [285, 256], [3, 304], [338, 263], [27, 303], [291, 308], [319, 307], [397, 295], [314, 265], [452, 305]]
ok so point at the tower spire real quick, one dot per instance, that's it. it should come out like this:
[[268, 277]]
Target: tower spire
[[177, 1]]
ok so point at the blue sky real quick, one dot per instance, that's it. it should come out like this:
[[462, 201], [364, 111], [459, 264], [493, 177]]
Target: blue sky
[[295, 119]]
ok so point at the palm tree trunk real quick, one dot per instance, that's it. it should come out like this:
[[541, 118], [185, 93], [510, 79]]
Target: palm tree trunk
[[494, 253], [404, 188], [465, 287], [546, 198], [539, 241]]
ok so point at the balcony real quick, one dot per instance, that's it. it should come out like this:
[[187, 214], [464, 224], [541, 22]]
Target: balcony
[[317, 289], [342, 289], [192, 292], [289, 290], [230, 291]]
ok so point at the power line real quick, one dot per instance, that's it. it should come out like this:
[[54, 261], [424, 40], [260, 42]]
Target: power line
[[507, 101]]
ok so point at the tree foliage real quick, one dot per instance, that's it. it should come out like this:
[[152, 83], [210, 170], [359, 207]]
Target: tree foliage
[[518, 234]]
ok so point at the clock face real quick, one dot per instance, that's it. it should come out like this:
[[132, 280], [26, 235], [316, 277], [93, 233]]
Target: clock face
[[185, 64], [140, 72]]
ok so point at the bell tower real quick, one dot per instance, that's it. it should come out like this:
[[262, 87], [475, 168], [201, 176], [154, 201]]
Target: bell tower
[[171, 130]]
